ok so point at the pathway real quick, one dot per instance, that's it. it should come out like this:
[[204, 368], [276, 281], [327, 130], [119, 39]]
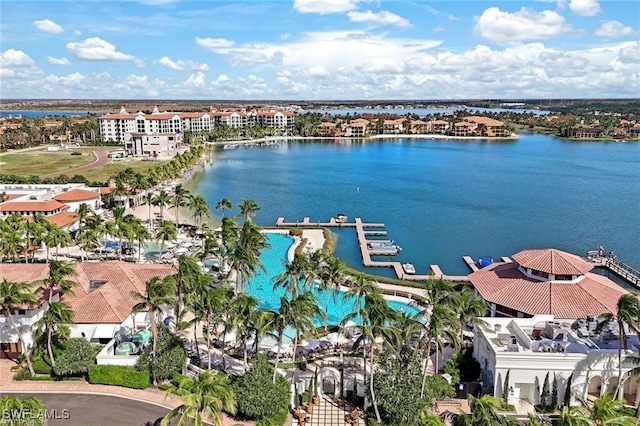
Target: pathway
[[101, 159]]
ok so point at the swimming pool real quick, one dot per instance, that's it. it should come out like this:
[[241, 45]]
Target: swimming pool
[[333, 302]]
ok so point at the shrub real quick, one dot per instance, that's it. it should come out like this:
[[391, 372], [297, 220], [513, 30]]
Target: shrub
[[118, 375], [278, 418], [78, 357], [258, 398], [40, 366], [170, 356]]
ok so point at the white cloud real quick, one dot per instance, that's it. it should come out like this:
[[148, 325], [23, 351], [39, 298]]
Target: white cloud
[[525, 24], [77, 32], [438, 29], [97, 49], [195, 80], [612, 29], [453, 18], [325, 6], [584, 7], [16, 58], [214, 43], [379, 18], [75, 79], [48, 26], [181, 65], [58, 61]]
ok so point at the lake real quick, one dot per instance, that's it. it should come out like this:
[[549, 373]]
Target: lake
[[442, 199], [35, 113]]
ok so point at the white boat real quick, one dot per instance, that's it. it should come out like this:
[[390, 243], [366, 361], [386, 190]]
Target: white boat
[[341, 218], [230, 146], [384, 247], [408, 268]]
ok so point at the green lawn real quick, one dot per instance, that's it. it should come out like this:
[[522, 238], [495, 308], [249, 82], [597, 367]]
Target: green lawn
[[42, 162], [113, 168]]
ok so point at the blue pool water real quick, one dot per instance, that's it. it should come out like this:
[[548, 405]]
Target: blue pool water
[[333, 302]]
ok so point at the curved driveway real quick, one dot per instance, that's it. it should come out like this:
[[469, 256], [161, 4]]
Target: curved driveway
[[99, 410], [101, 159]]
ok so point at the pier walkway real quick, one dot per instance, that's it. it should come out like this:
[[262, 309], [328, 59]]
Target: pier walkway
[[624, 271], [366, 252]]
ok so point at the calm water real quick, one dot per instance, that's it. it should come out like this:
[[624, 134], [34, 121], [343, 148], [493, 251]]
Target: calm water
[[441, 200], [30, 113], [425, 111], [332, 302]]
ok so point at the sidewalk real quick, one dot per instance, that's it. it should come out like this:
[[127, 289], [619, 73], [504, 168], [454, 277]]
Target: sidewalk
[[151, 395]]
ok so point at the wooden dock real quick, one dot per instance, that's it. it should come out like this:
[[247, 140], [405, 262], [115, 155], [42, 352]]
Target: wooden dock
[[624, 271], [366, 252]]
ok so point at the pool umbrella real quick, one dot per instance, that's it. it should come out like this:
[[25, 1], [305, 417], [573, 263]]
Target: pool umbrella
[[283, 348], [336, 338], [311, 344]]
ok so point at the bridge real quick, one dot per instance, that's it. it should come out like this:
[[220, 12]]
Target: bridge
[[611, 263]]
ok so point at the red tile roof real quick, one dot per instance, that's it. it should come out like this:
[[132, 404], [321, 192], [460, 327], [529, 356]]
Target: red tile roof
[[31, 273], [112, 302], [553, 261], [77, 195], [505, 285], [32, 206], [63, 219]]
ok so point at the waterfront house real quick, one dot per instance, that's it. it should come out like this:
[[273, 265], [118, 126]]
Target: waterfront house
[[357, 128], [102, 300], [529, 349], [329, 129], [464, 128], [488, 126], [545, 281], [393, 127], [418, 127], [584, 132], [438, 126]]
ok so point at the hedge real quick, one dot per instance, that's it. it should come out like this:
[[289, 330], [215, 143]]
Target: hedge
[[119, 375], [40, 366], [278, 418]]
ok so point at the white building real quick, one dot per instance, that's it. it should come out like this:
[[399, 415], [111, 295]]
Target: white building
[[529, 348], [102, 301], [153, 145]]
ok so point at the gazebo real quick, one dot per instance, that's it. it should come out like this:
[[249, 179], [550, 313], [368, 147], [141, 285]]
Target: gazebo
[[545, 281]]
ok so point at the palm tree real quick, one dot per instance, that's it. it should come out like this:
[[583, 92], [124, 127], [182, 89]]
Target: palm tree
[[243, 311], [293, 276], [166, 232], [442, 322], [180, 198], [59, 271], [245, 255], [119, 227], [332, 273], [140, 233], [12, 296], [214, 305], [187, 278], [56, 316], [10, 243], [468, 308], [14, 409], [224, 204], [159, 292], [248, 208], [87, 238], [56, 237], [33, 233], [304, 311], [205, 397], [149, 199], [573, 416], [484, 411], [162, 200], [199, 208], [627, 315]]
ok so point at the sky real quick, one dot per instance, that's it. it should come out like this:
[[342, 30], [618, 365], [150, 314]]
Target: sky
[[319, 49]]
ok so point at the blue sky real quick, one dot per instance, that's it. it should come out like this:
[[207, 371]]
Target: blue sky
[[319, 49]]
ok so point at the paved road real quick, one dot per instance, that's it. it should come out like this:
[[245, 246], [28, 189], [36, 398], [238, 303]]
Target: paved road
[[101, 159], [100, 410]]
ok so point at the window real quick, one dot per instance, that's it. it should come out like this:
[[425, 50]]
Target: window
[[21, 312], [564, 277], [539, 273]]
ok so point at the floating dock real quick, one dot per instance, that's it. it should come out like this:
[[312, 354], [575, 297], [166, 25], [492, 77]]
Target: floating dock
[[367, 252], [611, 263]]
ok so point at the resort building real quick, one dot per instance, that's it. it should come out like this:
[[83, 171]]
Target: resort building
[[419, 127], [153, 145], [393, 127], [488, 126], [545, 281], [464, 128], [329, 129], [529, 349], [58, 202], [119, 127], [438, 126], [584, 132], [102, 300], [356, 128]]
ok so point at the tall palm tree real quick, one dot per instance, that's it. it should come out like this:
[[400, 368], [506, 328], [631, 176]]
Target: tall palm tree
[[468, 307], [199, 208], [149, 200], [14, 409], [11, 242], [12, 296], [140, 233], [34, 233], [57, 279], [224, 204], [87, 238], [441, 322], [56, 316], [293, 276], [332, 273], [574, 416], [204, 398], [248, 208], [56, 237], [243, 312], [187, 278], [180, 198], [119, 226], [162, 200], [159, 292], [627, 315], [214, 305], [166, 232], [245, 256], [304, 311]]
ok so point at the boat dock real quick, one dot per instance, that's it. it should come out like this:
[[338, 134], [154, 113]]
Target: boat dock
[[366, 252], [611, 263]]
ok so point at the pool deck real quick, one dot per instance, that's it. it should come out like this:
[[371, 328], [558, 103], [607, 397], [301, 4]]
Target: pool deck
[[366, 252]]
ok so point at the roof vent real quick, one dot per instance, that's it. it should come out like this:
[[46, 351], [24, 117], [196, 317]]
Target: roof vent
[[94, 284]]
